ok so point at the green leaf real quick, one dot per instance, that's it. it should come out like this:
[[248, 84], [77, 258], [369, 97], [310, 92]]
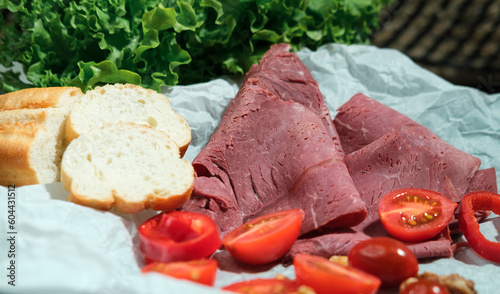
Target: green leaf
[[159, 43], [105, 72], [186, 19], [159, 19]]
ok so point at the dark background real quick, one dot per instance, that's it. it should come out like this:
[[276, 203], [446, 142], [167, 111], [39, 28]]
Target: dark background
[[457, 39]]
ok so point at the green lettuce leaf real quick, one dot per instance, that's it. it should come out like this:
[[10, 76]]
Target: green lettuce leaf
[[155, 43]]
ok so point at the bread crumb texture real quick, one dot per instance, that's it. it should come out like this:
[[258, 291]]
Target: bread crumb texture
[[128, 167], [127, 103]]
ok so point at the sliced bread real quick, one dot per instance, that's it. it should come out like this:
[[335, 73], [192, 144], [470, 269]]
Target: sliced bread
[[126, 166], [127, 103], [32, 141]]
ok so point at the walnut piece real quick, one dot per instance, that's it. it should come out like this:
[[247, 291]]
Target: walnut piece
[[455, 283]]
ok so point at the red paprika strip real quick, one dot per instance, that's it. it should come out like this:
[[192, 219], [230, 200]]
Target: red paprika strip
[[472, 202]]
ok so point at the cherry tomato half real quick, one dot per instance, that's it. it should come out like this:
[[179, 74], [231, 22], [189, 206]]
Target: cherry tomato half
[[327, 277], [178, 236], [387, 258], [266, 238], [415, 215], [469, 225], [425, 286], [264, 286], [201, 271]]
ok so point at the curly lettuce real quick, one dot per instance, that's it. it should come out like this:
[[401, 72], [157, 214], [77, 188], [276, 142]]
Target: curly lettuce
[[157, 43]]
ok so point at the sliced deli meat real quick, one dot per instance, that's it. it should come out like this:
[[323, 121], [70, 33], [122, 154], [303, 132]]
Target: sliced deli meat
[[282, 73], [362, 120], [276, 148], [484, 180], [412, 156], [408, 155]]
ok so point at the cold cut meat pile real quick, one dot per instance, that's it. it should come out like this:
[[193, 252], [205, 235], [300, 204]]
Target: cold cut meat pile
[[389, 151], [277, 148]]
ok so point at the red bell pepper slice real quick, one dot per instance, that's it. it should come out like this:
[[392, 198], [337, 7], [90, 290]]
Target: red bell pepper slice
[[472, 202]]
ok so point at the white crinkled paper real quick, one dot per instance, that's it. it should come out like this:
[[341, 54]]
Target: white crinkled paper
[[65, 248]]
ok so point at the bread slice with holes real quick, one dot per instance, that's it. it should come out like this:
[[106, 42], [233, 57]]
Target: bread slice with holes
[[127, 103], [32, 123], [126, 166]]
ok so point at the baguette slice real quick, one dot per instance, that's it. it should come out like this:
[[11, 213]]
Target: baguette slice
[[127, 103], [32, 141], [127, 166]]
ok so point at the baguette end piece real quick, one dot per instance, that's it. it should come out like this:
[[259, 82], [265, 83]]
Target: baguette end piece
[[32, 134]]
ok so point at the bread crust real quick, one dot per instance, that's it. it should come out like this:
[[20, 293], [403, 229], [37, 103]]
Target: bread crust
[[16, 139], [69, 132], [35, 98], [23, 117], [71, 127], [152, 201], [15, 168], [160, 199]]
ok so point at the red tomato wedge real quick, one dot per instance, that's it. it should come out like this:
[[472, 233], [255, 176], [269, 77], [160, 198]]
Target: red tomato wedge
[[178, 236], [386, 258], [201, 271], [327, 277], [264, 286], [469, 225], [265, 238], [414, 214]]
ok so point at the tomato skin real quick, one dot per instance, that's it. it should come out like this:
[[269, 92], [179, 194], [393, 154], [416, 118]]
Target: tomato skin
[[327, 277], [415, 215], [264, 286], [386, 258], [266, 238], [201, 271], [178, 236], [469, 225], [425, 286]]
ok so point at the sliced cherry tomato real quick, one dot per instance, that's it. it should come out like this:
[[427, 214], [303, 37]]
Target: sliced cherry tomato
[[469, 225], [201, 271], [266, 238], [327, 277], [384, 257], [415, 215], [264, 286], [178, 236], [425, 286]]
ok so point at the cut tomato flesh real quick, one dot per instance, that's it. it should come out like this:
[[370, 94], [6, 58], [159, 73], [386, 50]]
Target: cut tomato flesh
[[414, 214], [264, 286], [178, 236], [264, 239], [327, 277], [472, 202], [200, 271]]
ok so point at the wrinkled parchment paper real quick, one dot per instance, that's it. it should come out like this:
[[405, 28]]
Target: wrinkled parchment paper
[[61, 247]]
